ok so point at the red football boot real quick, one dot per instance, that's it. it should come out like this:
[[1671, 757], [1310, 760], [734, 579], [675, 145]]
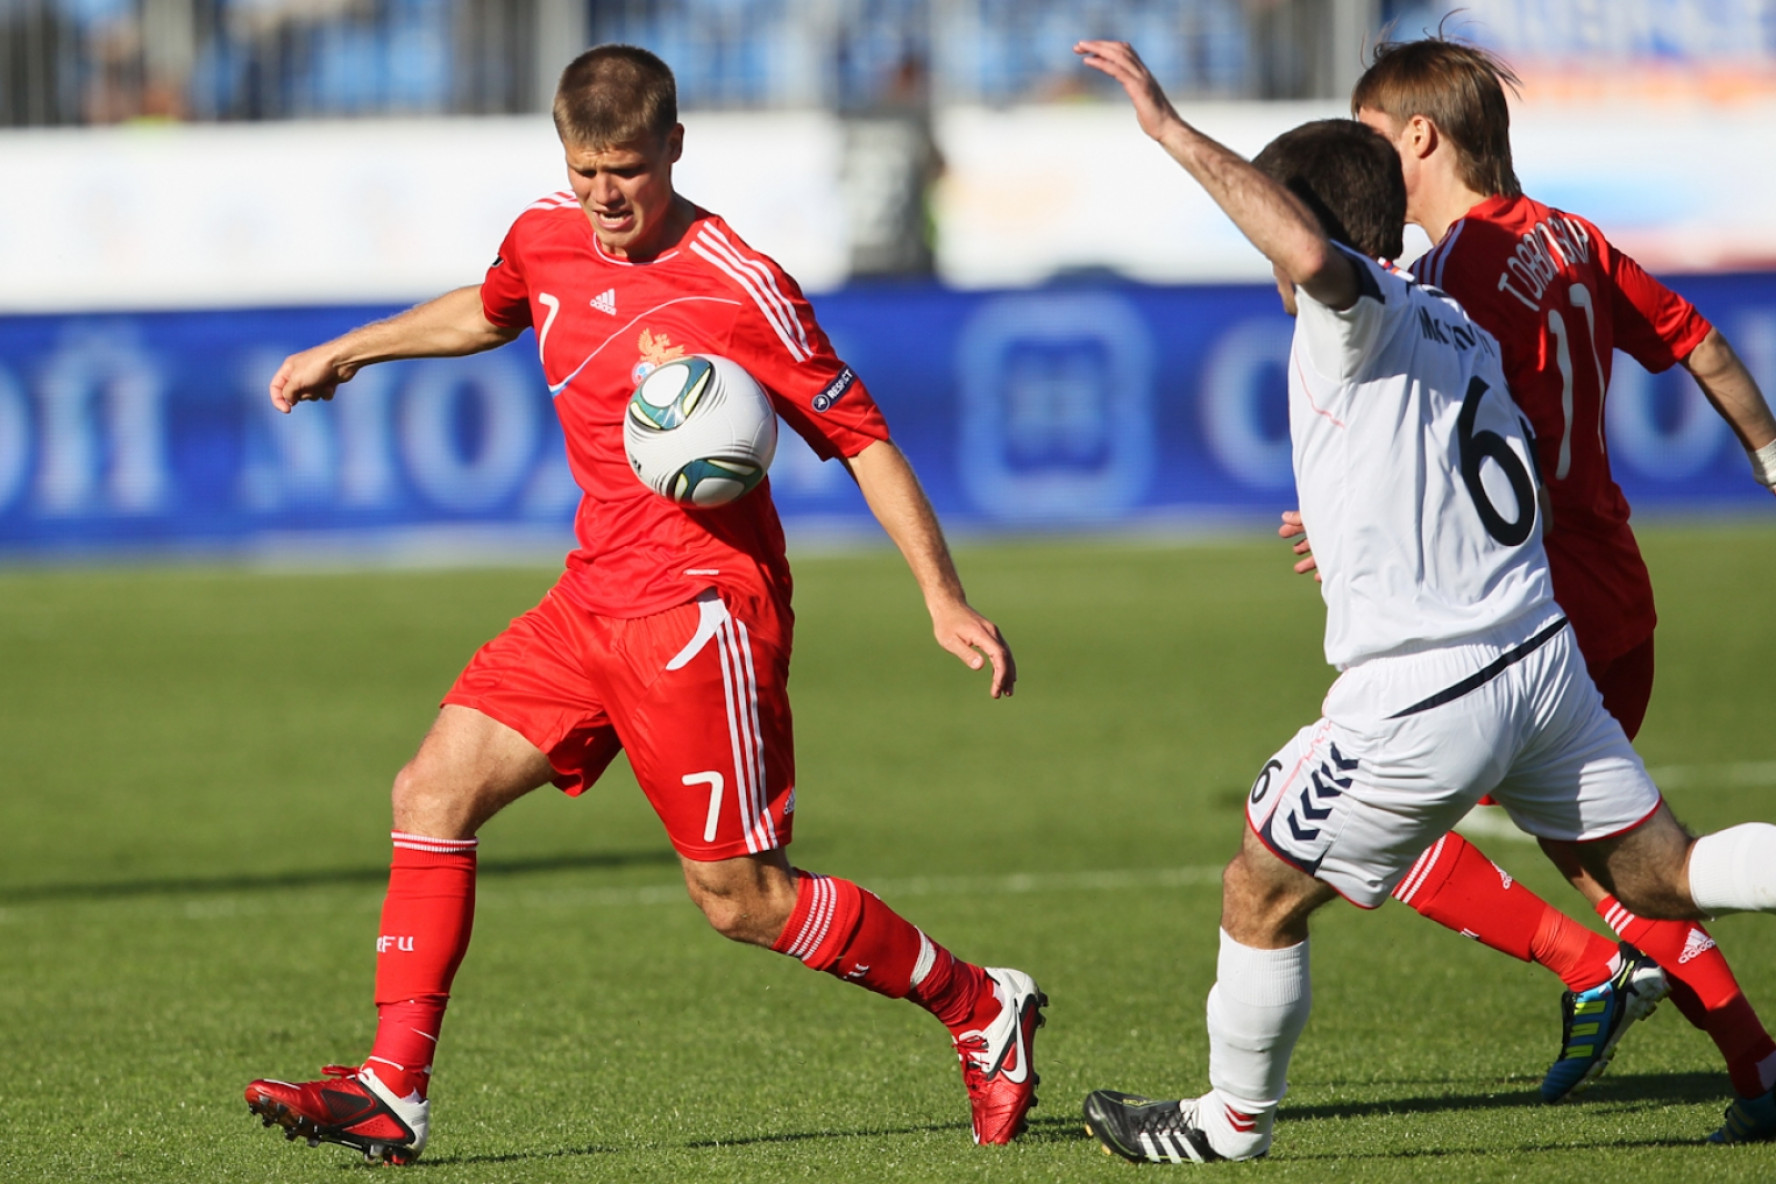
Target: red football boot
[[351, 1108], [996, 1059]]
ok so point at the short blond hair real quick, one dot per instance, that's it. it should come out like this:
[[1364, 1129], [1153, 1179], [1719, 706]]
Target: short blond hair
[[615, 94]]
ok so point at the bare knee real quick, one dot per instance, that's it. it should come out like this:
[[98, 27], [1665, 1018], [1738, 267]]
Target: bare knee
[[1657, 893], [423, 804], [468, 768], [746, 900], [739, 916], [1646, 868], [1265, 903]]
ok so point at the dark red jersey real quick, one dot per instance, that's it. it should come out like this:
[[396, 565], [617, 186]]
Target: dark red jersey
[[601, 325], [1561, 300]]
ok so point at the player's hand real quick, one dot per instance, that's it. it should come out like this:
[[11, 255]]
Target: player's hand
[[310, 376], [1293, 528], [1119, 60], [978, 642]]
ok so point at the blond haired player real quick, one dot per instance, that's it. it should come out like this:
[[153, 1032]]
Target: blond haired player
[[668, 637]]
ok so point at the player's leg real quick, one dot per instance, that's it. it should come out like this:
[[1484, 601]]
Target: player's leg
[[1458, 887], [469, 767], [1657, 868], [1587, 792], [1334, 811], [1256, 1010], [1703, 986], [1262, 993], [705, 712], [1608, 987], [836, 927], [1643, 866]]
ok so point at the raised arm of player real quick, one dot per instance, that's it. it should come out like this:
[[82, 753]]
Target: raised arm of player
[[1266, 213], [449, 326], [899, 504], [1734, 393]]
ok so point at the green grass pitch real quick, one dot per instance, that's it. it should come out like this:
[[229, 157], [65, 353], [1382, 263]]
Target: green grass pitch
[[193, 837]]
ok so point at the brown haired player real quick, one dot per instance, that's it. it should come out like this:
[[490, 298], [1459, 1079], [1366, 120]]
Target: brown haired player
[[1561, 300], [667, 638]]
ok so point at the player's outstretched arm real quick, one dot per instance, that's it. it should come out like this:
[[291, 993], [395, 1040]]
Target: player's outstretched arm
[[900, 505], [1735, 394], [449, 326], [1266, 213]]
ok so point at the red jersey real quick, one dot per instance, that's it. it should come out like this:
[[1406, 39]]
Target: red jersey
[[1561, 300], [601, 325]]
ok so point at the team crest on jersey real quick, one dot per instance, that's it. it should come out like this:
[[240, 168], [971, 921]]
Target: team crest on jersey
[[655, 352]]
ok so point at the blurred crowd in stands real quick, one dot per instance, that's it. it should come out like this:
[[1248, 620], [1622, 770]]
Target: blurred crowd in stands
[[105, 61]]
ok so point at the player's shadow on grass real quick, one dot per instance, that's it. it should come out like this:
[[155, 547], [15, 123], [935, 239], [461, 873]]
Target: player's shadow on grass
[[696, 1145], [1632, 1090], [503, 1157], [805, 1136], [325, 878], [1053, 1128]]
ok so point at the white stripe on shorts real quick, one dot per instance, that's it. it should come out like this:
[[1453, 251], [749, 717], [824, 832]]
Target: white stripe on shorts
[[746, 738], [731, 695], [767, 829]]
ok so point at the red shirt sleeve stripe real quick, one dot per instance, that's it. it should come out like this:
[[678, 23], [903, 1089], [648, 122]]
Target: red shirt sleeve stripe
[[761, 285]]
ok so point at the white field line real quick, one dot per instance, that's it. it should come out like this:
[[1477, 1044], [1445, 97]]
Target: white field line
[[1494, 823], [497, 896], [1017, 884], [1491, 822]]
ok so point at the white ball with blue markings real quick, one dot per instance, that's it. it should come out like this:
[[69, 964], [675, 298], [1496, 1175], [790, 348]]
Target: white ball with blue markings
[[700, 431]]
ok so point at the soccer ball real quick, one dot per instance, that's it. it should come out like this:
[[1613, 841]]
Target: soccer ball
[[700, 431]]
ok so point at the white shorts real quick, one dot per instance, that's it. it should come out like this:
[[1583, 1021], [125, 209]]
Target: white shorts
[[1409, 743]]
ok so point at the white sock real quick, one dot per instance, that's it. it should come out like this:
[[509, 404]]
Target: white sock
[[1257, 1008], [1734, 870]]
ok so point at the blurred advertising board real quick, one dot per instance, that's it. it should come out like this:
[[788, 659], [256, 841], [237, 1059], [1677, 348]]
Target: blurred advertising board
[[382, 211], [1088, 407]]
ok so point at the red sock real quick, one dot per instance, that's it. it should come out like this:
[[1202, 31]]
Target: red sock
[[1459, 888], [1704, 989], [850, 934], [426, 919]]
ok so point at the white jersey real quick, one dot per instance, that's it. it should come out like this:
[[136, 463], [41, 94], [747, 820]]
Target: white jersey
[[1414, 469]]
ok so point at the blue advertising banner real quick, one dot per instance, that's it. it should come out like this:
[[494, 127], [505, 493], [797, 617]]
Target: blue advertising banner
[[1069, 407]]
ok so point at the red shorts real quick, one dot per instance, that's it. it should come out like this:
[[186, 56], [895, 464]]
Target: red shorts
[[1626, 684], [697, 699]]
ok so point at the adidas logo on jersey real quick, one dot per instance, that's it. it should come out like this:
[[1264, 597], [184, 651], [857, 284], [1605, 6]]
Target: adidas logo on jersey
[[606, 301]]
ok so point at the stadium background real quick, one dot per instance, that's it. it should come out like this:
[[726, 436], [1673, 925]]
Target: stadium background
[[1065, 335]]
